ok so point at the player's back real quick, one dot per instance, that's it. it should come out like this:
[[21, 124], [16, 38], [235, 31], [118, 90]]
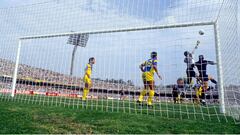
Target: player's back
[[148, 65], [148, 68], [201, 66]]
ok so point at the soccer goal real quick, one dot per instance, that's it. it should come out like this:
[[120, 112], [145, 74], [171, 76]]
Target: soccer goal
[[47, 52]]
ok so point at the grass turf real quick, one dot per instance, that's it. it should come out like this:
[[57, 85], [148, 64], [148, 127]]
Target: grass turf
[[17, 116]]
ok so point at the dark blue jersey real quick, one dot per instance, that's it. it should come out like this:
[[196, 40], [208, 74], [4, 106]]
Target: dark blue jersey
[[202, 66]]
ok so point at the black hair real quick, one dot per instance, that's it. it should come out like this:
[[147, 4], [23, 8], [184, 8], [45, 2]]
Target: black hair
[[186, 53], [91, 59], [180, 79], [201, 57], [153, 54]]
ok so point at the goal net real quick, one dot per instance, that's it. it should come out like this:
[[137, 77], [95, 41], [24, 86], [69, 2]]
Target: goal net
[[229, 43], [46, 46]]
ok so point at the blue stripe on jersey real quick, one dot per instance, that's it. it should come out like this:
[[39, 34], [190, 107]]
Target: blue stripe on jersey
[[149, 64]]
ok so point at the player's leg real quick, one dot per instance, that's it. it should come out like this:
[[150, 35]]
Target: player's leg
[[86, 88], [199, 81], [144, 91], [182, 97], [203, 96], [201, 78], [189, 78], [175, 97], [85, 91], [190, 75], [193, 75], [151, 92], [178, 98], [198, 94], [212, 79], [121, 96]]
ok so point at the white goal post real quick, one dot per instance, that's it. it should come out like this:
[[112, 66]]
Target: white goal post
[[152, 27]]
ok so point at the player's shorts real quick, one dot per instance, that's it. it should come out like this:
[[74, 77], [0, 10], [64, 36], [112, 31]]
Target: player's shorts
[[190, 72], [148, 76], [202, 96], [204, 77], [182, 94], [87, 80], [175, 94]]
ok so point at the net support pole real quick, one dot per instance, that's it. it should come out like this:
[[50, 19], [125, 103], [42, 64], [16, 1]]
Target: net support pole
[[219, 69], [73, 58], [14, 81]]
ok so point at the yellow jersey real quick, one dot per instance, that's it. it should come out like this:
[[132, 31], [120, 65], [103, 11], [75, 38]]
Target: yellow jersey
[[200, 90], [88, 73], [148, 70], [88, 70]]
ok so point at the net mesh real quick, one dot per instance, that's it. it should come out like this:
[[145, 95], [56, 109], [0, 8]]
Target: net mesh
[[228, 38], [51, 70]]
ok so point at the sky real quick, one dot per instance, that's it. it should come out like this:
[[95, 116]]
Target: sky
[[118, 55]]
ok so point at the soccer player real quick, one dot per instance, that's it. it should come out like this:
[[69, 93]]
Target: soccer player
[[87, 78], [148, 69], [178, 91], [201, 65], [190, 66], [201, 89]]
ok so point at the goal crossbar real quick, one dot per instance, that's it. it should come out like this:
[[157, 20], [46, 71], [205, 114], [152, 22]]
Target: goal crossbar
[[152, 27]]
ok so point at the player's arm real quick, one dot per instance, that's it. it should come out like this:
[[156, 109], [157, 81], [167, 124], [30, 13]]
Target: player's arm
[[193, 51], [197, 44], [196, 64], [186, 60], [156, 70], [142, 67], [86, 72], [211, 63]]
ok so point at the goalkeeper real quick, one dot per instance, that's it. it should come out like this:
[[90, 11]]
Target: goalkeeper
[[87, 78], [148, 69], [190, 66]]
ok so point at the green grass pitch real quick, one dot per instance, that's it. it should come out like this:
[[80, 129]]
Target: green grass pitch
[[41, 114]]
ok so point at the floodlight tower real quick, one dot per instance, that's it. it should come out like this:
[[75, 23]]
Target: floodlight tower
[[76, 40]]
